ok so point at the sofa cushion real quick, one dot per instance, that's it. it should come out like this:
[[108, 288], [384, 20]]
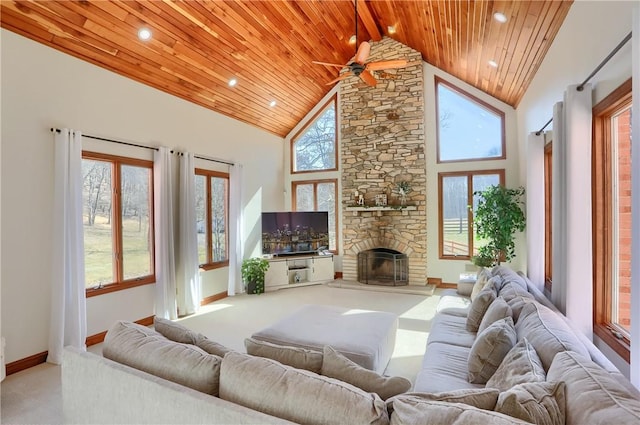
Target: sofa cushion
[[295, 394], [498, 309], [411, 411], [174, 331], [451, 329], [541, 403], [547, 332], [144, 349], [297, 357], [481, 280], [509, 275], [517, 303], [482, 398], [335, 365], [211, 346], [480, 305], [489, 349], [511, 290], [444, 368], [593, 395], [520, 365]]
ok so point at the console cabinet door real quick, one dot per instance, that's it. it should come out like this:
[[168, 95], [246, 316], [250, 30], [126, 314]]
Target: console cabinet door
[[322, 268], [277, 274]]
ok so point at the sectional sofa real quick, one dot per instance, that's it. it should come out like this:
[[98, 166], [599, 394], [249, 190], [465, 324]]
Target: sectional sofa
[[503, 355]]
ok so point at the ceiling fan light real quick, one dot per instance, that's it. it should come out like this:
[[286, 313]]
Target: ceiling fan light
[[500, 17], [144, 34]]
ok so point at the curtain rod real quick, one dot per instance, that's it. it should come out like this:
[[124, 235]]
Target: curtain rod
[[595, 71], [57, 130]]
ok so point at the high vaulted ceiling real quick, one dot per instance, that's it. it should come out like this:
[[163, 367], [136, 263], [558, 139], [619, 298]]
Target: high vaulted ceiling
[[268, 46]]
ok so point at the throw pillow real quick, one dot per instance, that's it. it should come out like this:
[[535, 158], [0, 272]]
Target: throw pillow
[[300, 358], [519, 366], [335, 365], [480, 305], [411, 411], [481, 280], [489, 349], [541, 403], [498, 309], [174, 331], [211, 346], [296, 395], [482, 398]]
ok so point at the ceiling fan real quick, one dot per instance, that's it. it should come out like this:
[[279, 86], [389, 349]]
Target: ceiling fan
[[358, 66]]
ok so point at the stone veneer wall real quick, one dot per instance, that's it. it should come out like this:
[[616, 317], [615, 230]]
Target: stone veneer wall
[[382, 144]]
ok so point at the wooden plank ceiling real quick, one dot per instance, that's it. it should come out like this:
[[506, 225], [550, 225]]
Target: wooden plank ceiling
[[268, 46]]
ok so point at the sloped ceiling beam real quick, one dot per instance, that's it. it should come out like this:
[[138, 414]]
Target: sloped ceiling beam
[[367, 19]]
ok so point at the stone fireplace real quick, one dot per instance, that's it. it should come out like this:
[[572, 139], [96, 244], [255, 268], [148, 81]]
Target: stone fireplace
[[382, 266], [382, 147]]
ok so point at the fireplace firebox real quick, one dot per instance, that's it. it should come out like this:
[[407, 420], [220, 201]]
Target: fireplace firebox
[[383, 266]]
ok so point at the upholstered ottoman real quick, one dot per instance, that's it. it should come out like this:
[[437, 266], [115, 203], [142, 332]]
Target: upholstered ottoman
[[366, 337]]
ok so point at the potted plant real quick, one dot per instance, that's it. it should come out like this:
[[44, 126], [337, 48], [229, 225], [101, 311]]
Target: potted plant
[[497, 217], [253, 271]]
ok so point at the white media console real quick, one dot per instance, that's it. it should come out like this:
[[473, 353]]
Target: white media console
[[298, 270]]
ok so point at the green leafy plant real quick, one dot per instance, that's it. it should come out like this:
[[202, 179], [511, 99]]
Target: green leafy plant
[[497, 217], [253, 271]]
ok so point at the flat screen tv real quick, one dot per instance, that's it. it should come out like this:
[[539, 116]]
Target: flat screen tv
[[295, 232]]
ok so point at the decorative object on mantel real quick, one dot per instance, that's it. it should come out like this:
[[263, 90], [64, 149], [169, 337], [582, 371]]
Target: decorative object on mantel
[[403, 188], [381, 200], [358, 197], [380, 209]]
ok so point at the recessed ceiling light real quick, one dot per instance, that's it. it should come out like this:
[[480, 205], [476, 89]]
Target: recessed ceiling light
[[391, 29], [233, 82], [493, 63], [500, 17], [144, 34], [352, 39], [273, 103]]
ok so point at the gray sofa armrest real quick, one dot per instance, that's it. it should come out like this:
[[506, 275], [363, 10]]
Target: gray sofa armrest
[[100, 391]]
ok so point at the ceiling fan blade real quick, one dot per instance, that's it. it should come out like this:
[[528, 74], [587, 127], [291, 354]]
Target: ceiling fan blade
[[363, 52], [341, 77], [376, 66], [329, 64], [368, 78]]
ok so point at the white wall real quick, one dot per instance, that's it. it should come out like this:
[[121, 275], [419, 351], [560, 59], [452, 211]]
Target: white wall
[[449, 270], [43, 88], [590, 31]]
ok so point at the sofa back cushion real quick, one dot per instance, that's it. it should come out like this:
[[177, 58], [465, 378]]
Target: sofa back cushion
[[593, 396], [547, 332], [335, 365], [413, 411], [144, 349], [541, 403], [520, 365], [297, 357], [295, 394], [509, 275]]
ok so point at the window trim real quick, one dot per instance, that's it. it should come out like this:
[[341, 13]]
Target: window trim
[[296, 183], [480, 103], [469, 174], [310, 122], [602, 216], [116, 219], [210, 264]]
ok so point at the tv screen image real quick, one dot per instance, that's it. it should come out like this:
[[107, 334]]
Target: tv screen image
[[295, 232]]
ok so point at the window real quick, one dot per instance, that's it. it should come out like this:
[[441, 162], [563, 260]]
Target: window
[[612, 218], [117, 222], [212, 215], [548, 241], [314, 148], [468, 128], [455, 191], [318, 196]]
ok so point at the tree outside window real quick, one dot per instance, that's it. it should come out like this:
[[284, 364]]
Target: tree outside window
[[314, 148], [318, 196], [212, 206]]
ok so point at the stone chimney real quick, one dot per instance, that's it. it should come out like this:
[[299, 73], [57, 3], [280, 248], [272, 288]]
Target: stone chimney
[[382, 145]]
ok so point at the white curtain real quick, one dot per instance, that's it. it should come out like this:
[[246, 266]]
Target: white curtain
[[535, 209], [187, 269], [68, 304], [236, 222], [572, 290], [163, 217]]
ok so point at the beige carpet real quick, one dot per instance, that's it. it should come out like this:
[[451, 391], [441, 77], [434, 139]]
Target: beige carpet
[[426, 290]]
